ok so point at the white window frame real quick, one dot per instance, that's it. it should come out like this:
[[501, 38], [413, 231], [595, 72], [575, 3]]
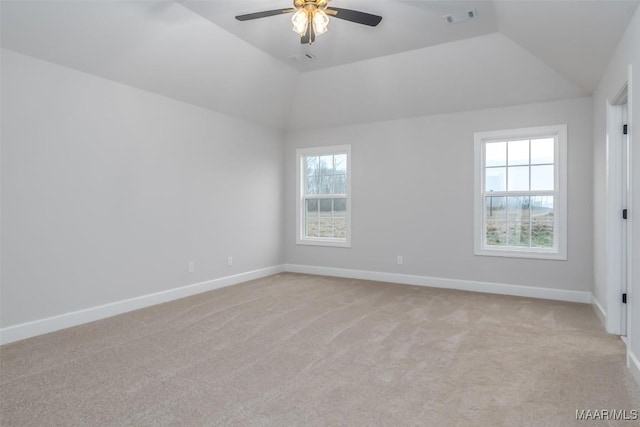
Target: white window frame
[[559, 249], [302, 153]]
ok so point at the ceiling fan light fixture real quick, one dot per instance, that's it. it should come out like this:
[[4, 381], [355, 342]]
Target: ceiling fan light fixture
[[310, 14], [311, 17], [300, 21], [320, 22]]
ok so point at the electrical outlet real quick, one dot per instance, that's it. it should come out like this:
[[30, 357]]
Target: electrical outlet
[[400, 260], [230, 261], [191, 267]]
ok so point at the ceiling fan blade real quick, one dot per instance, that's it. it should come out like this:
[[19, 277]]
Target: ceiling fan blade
[[264, 14], [309, 37], [356, 16]]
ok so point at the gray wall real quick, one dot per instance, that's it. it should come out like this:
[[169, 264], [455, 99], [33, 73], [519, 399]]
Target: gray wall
[[412, 189], [109, 191]]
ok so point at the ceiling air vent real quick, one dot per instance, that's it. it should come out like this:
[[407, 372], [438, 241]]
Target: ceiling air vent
[[302, 57], [460, 17]]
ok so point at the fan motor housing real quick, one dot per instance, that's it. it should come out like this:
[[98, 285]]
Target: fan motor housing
[[317, 3]]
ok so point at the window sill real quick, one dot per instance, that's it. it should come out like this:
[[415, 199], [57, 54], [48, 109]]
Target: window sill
[[522, 253], [324, 242]]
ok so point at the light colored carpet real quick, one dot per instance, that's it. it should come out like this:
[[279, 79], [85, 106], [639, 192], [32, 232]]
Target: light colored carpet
[[299, 350]]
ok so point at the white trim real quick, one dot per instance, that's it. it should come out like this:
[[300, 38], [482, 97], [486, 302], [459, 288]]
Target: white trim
[[437, 282], [559, 251], [67, 320], [632, 271], [634, 366], [300, 189], [597, 308], [613, 218]]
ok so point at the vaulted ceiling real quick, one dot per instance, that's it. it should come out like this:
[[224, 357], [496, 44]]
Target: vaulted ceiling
[[413, 63]]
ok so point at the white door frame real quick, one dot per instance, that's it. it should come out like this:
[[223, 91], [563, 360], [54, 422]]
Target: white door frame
[[616, 319]]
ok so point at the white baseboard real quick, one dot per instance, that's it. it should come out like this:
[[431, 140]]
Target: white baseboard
[[55, 323], [597, 308], [634, 366], [436, 282]]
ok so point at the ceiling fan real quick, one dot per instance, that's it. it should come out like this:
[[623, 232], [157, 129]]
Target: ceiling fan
[[311, 17]]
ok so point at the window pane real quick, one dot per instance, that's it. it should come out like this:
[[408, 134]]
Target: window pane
[[496, 233], [542, 150], [495, 179], [542, 178], [496, 208], [518, 233], [313, 184], [340, 227], [518, 208], [312, 205], [339, 184], [518, 153], [326, 218], [326, 184], [542, 221], [518, 178], [542, 208], [325, 227], [339, 207], [495, 154], [311, 218], [542, 234], [326, 207], [326, 164], [340, 163], [311, 227], [312, 165]]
